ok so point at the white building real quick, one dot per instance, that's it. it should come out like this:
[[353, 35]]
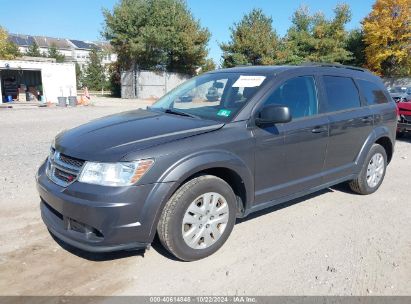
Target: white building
[[22, 78], [73, 50]]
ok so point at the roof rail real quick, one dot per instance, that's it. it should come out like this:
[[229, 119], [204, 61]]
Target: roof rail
[[334, 65], [243, 65]]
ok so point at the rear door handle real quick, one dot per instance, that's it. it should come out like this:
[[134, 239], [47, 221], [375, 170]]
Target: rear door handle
[[366, 119], [319, 129]]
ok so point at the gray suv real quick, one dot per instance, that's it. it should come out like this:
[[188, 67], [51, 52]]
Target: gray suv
[[188, 166]]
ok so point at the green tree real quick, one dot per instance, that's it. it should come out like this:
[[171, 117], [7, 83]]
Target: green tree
[[156, 34], [54, 53], [387, 35], [356, 45], [315, 38], [114, 71], [8, 50], [79, 76], [33, 50], [209, 65], [95, 77], [253, 41]]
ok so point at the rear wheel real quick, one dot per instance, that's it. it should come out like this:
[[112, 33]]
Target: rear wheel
[[373, 171], [198, 218]]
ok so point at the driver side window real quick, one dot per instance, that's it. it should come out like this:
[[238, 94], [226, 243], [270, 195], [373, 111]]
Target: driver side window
[[298, 94]]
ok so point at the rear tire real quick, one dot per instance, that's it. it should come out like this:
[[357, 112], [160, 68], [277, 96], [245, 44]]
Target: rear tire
[[372, 173], [198, 218]]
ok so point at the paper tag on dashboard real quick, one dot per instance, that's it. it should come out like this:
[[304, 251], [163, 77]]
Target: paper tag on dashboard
[[246, 81]]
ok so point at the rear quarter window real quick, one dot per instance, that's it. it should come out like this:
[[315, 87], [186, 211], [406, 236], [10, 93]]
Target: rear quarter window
[[373, 94], [342, 94]]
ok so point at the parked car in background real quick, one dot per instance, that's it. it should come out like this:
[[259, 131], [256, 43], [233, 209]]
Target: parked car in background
[[404, 118], [186, 171], [400, 94]]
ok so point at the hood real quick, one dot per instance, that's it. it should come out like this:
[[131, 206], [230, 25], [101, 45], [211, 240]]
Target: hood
[[111, 138]]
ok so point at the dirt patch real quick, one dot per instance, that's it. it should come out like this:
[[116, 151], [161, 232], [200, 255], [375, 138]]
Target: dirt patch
[[330, 243]]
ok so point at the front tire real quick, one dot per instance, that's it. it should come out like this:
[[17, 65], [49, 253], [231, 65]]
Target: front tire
[[372, 173], [198, 218]]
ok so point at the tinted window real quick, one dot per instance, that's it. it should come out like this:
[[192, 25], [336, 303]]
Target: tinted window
[[341, 92], [299, 94], [372, 92]]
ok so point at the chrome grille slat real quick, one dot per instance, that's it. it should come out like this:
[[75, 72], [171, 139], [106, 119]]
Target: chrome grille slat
[[66, 167], [63, 169]]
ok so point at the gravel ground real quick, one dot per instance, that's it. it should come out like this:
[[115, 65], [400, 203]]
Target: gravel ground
[[329, 243]]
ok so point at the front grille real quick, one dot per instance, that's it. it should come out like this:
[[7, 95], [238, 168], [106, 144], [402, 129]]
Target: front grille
[[63, 169], [71, 161], [66, 177]]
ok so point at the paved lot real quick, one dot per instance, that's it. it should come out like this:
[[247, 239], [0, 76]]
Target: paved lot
[[330, 243]]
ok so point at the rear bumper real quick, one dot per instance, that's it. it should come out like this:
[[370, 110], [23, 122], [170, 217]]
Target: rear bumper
[[101, 219]]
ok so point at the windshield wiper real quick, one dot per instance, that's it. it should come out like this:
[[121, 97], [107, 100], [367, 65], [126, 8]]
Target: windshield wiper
[[181, 113]]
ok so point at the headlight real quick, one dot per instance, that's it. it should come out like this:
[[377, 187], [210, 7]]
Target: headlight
[[115, 174]]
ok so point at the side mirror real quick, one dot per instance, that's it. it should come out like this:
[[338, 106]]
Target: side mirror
[[272, 114]]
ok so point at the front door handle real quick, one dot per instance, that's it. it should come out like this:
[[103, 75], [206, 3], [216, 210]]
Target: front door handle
[[366, 119], [319, 129]]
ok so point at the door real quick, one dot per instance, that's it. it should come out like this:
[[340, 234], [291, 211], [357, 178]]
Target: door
[[350, 125], [289, 157]]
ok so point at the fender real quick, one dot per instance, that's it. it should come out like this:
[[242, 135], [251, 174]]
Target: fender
[[188, 166], [377, 133]]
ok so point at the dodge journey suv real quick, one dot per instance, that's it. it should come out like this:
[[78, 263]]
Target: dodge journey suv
[[219, 147]]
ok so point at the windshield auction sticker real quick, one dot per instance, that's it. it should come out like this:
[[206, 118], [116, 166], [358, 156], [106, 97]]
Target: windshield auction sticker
[[246, 81]]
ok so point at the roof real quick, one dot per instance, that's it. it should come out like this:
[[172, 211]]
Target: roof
[[104, 45], [257, 69], [82, 44], [47, 42], [21, 40], [60, 43], [308, 66]]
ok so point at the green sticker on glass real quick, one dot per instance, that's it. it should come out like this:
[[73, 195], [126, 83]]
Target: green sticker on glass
[[224, 113]]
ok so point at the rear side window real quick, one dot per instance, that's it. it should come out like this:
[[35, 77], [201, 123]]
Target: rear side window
[[373, 93], [342, 94]]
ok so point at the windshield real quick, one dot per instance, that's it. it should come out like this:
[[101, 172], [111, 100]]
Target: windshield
[[216, 96]]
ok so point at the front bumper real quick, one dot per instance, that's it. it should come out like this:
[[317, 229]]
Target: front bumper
[[98, 218], [403, 127]]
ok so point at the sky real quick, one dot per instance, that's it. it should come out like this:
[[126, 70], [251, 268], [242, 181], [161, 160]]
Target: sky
[[83, 19]]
